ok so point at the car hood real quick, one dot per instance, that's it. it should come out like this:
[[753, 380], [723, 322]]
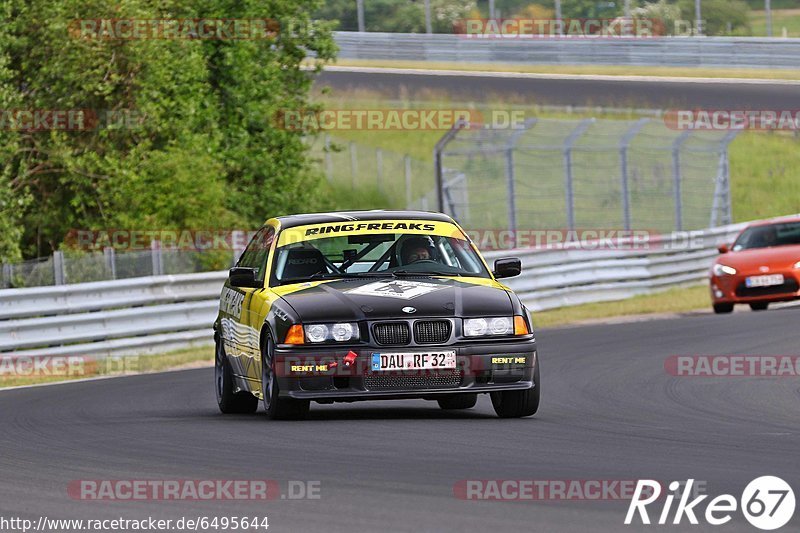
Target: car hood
[[777, 258], [379, 299]]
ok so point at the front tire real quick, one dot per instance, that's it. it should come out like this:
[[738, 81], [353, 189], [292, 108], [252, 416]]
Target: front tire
[[229, 401], [277, 408], [759, 306], [518, 403], [723, 309], [458, 401]]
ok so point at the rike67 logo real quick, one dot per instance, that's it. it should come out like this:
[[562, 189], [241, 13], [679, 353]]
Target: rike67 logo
[[767, 503]]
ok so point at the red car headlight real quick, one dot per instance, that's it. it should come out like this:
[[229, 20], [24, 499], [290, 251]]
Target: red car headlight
[[723, 270]]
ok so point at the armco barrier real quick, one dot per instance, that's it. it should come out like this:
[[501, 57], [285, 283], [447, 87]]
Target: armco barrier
[[161, 313], [577, 275], [742, 52], [137, 315]]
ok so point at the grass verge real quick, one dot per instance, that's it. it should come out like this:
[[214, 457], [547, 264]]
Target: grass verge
[[781, 18], [588, 70], [678, 300], [21, 373], [765, 175]]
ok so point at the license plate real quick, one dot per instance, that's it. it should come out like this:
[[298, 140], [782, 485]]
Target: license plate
[[413, 361], [764, 281]]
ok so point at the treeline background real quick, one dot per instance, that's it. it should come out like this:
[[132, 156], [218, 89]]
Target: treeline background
[[202, 153]]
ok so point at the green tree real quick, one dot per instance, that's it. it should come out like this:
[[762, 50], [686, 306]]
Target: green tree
[[201, 150], [11, 205]]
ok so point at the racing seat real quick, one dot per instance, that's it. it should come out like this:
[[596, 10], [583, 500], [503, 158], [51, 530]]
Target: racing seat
[[303, 263]]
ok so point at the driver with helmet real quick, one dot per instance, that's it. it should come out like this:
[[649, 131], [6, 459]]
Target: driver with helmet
[[415, 249]]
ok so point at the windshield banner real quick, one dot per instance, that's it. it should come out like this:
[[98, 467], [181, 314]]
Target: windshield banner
[[339, 229]]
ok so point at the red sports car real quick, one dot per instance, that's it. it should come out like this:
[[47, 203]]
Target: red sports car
[[762, 266]]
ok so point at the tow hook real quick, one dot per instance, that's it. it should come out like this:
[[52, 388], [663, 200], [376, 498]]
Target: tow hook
[[350, 358]]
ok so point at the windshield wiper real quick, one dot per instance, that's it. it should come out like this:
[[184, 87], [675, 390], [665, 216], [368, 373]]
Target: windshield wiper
[[426, 274], [313, 277], [335, 275]]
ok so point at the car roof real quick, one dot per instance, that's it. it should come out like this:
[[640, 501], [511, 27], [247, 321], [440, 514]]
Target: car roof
[[778, 220], [290, 221]]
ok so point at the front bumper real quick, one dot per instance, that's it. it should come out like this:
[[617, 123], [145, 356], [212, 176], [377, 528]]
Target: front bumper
[[733, 289], [320, 373]]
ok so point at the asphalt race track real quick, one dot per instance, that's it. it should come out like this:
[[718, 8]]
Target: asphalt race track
[[559, 91], [610, 411]]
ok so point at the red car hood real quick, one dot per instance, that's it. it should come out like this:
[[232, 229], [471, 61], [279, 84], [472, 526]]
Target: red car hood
[[777, 258]]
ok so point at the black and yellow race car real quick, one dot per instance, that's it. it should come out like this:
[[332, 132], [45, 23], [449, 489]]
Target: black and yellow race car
[[371, 305]]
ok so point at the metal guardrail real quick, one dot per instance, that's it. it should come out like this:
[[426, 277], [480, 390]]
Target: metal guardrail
[[102, 295], [161, 313], [107, 318], [574, 276], [747, 52]]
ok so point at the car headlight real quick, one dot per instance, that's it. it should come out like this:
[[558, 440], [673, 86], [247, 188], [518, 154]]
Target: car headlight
[[479, 327], [340, 332], [723, 270], [317, 333], [797, 265]]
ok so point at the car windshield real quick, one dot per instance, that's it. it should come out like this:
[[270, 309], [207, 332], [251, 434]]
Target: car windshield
[[443, 251], [782, 234]]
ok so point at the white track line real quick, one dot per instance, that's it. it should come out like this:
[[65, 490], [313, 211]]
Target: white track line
[[99, 378], [540, 76]]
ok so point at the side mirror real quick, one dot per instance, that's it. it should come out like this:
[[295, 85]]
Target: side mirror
[[723, 248], [507, 267], [244, 277]]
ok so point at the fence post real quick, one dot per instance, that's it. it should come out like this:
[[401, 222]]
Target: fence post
[[379, 168], [721, 209], [7, 274], [155, 256], [511, 179], [623, 162], [353, 165], [512, 207], [407, 165], [328, 158], [109, 254], [437, 161], [677, 181], [567, 150], [58, 268]]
